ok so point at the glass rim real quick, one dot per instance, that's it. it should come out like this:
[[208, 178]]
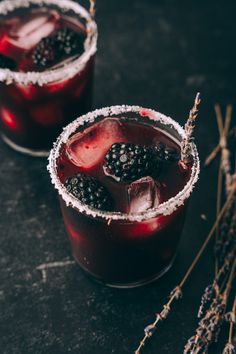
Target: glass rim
[[65, 71], [165, 208]]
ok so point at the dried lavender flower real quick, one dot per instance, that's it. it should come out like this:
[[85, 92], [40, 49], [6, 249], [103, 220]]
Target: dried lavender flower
[[231, 318], [229, 349], [213, 317], [186, 155], [226, 240], [208, 327], [207, 297]]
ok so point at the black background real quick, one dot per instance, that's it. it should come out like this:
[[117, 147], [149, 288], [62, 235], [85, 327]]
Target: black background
[[152, 53]]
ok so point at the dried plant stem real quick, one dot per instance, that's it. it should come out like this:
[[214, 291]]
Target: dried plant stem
[[226, 241], [216, 295], [219, 119], [229, 110], [218, 205], [189, 128], [217, 148], [211, 233], [212, 155], [230, 280], [226, 166], [223, 132], [232, 321], [92, 8], [177, 292], [218, 284], [209, 326], [222, 146]]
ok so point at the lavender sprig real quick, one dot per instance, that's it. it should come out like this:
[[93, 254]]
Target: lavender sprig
[[207, 298], [225, 153], [231, 318], [186, 155], [213, 290], [177, 292], [226, 240], [209, 326], [229, 349]]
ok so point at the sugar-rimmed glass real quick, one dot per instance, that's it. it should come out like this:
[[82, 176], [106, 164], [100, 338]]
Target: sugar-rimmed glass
[[111, 246], [34, 106]]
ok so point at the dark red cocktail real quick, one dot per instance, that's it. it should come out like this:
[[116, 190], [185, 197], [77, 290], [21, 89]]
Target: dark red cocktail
[[46, 70], [123, 192]]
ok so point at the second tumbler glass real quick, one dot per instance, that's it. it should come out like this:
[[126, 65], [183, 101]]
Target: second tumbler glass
[[46, 69]]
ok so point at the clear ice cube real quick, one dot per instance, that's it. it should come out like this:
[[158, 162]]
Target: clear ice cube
[[88, 148], [143, 195], [26, 34]]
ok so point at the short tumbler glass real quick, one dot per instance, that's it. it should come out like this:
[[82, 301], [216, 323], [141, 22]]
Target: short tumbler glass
[[118, 249], [34, 106]]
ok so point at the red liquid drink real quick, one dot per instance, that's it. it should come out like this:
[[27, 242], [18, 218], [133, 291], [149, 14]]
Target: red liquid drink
[[46, 70], [123, 192]]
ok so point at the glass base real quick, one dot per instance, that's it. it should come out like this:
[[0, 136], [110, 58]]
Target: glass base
[[131, 284], [26, 151]]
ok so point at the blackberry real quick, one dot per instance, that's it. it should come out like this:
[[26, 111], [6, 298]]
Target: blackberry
[[166, 154], [128, 162], [89, 191], [69, 42], [60, 45], [44, 54], [7, 63]]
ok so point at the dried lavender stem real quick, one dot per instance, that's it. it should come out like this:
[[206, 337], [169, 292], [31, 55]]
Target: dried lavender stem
[[218, 205], [216, 149], [209, 326], [218, 284], [223, 132], [232, 323], [189, 128], [177, 292], [225, 154], [222, 269], [92, 8], [212, 155], [211, 233], [219, 119], [230, 280], [229, 110], [225, 245], [225, 160]]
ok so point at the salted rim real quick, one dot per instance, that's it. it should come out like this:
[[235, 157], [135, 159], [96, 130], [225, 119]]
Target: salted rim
[[165, 208], [68, 70]]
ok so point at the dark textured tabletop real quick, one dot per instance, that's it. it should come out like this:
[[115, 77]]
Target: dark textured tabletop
[[152, 53]]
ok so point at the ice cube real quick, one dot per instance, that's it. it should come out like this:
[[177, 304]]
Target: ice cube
[[26, 34], [143, 195], [34, 23], [88, 148]]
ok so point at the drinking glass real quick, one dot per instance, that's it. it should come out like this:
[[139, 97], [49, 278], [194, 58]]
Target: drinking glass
[[34, 106], [123, 249]]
